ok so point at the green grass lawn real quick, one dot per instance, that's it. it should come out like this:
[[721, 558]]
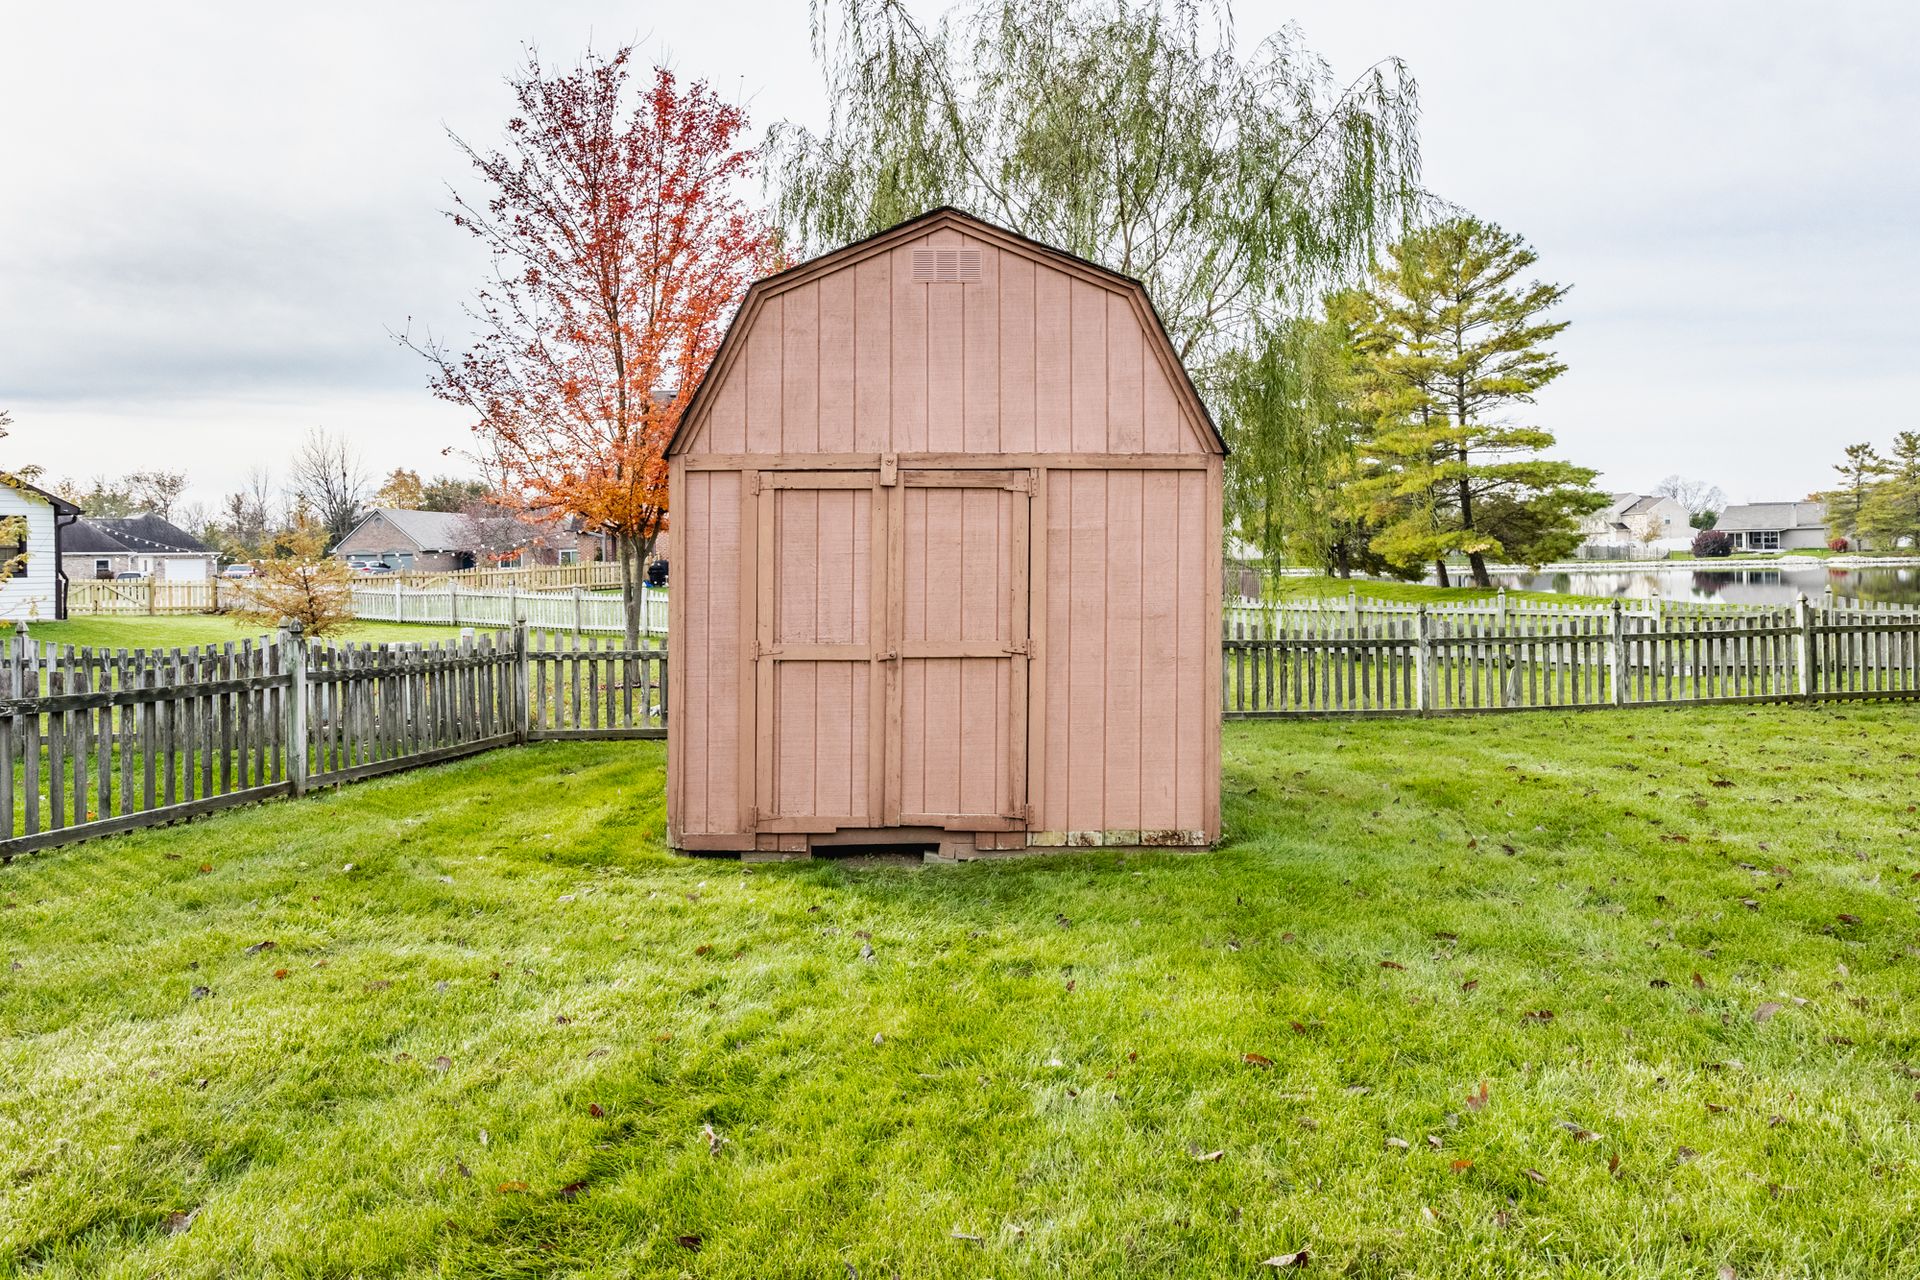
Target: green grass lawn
[[1617, 994], [1322, 586], [183, 630]]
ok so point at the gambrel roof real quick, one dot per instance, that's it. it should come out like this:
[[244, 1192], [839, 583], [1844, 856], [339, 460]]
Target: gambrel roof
[[1155, 353]]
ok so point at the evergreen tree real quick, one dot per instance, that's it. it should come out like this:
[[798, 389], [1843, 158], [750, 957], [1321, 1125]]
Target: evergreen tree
[[1457, 340], [1847, 505], [1891, 514]]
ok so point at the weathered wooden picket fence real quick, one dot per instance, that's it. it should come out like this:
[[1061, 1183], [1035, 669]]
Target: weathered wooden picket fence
[[94, 741], [1436, 665], [573, 609]]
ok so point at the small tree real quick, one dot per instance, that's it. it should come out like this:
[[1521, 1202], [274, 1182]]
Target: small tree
[[304, 585], [621, 246], [1711, 544]]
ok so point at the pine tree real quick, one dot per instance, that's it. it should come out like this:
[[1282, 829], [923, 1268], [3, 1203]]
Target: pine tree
[[1891, 513], [1847, 505], [1458, 340]]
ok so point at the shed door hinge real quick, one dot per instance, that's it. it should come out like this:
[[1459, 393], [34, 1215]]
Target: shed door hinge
[[753, 483], [889, 468]]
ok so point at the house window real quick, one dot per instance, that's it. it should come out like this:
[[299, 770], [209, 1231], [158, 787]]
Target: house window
[[102, 567], [568, 555], [1764, 540]]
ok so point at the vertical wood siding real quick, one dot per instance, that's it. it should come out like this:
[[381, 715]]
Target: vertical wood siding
[[1128, 717], [31, 593], [707, 575], [1029, 359]]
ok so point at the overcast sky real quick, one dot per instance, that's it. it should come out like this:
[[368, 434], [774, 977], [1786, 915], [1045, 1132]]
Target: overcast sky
[[213, 214]]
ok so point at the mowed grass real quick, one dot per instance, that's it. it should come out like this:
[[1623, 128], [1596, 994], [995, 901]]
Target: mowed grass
[[1617, 994], [1321, 586], [170, 631]]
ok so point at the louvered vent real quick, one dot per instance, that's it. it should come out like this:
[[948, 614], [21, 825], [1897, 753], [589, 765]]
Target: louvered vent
[[952, 266]]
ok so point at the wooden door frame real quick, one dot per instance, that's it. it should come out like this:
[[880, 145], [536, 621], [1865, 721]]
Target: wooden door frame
[[1021, 482], [762, 652]]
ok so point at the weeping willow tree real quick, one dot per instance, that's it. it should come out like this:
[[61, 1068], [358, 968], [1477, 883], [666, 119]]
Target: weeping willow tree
[[1135, 135], [1297, 401]]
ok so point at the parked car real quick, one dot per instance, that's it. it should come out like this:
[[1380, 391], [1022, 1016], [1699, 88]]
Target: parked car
[[376, 568], [239, 571], [129, 576]]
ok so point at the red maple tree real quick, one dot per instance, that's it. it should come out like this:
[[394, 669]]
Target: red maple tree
[[621, 245]]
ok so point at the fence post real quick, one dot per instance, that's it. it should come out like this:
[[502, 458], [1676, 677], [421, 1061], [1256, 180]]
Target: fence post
[[1500, 605], [1617, 650], [153, 587], [453, 603], [1803, 619], [523, 671], [1423, 661], [399, 608], [293, 660], [1353, 606], [579, 610]]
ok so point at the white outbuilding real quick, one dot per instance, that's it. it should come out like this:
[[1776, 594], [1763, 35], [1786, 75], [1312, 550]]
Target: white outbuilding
[[39, 588]]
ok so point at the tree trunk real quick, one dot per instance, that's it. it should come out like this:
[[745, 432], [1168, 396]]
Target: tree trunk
[[1481, 578], [1440, 573], [1342, 560], [629, 552]]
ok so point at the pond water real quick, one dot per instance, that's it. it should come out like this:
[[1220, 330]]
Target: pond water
[[1769, 586]]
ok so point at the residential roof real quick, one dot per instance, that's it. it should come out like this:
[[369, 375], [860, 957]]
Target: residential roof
[[129, 535], [60, 504], [925, 222], [427, 530], [1772, 515]]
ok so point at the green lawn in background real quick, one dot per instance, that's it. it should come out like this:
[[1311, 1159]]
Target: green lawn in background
[[1620, 994], [1324, 586], [182, 630]]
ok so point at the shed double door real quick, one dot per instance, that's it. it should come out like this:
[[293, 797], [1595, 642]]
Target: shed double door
[[892, 647]]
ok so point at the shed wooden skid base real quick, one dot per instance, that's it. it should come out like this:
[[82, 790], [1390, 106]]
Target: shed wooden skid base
[[948, 516], [941, 845]]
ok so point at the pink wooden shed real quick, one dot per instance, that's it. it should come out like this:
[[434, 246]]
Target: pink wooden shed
[[947, 512]]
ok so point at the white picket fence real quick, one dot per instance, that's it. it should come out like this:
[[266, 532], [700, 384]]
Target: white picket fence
[[1248, 618], [575, 609]]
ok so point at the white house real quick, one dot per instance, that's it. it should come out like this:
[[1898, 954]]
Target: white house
[[39, 589], [1775, 526], [1647, 522]]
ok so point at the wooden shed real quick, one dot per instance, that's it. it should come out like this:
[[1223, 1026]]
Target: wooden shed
[[948, 512]]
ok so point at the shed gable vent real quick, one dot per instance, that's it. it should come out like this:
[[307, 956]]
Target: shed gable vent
[[954, 266]]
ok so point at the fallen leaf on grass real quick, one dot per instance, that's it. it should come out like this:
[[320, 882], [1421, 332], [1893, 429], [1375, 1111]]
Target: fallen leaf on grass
[[690, 1243], [1398, 1144], [1699, 983], [1538, 1015], [1470, 984], [1391, 964], [714, 1140], [1281, 1261], [511, 1188], [281, 974], [1580, 1132], [572, 1191], [1461, 1166], [958, 1234], [180, 1220], [703, 948], [595, 1110], [866, 951], [1258, 1059], [258, 947], [200, 993], [1534, 1175], [1845, 918], [442, 1063], [1766, 1011], [1477, 1101], [1211, 1157]]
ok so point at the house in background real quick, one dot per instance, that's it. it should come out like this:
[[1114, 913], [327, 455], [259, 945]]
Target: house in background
[[1775, 526], [1646, 522], [401, 539], [149, 545], [39, 590]]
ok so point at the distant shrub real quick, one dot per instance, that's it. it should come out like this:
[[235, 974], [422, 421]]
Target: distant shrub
[[1836, 544], [1711, 543]]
